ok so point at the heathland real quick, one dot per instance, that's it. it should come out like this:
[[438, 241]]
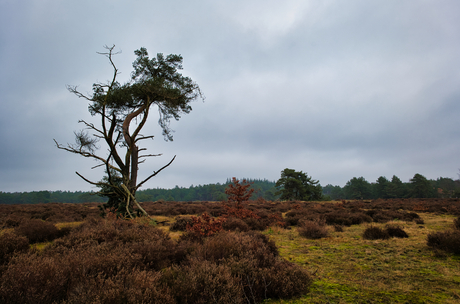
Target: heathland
[[360, 251]]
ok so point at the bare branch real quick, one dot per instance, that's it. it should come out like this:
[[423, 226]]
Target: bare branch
[[150, 155], [144, 137], [88, 181], [155, 173], [71, 149], [135, 201], [91, 126], [73, 89]]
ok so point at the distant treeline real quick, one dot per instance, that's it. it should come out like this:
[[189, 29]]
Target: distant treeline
[[356, 188], [418, 187], [211, 192]]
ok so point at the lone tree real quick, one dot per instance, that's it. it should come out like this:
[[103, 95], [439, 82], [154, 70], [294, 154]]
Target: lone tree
[[124, 110], [295, 185]]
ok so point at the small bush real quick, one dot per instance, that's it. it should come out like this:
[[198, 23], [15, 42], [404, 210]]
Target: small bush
[[457, 223], [181, 224], [37, 231], [448, 241], [128, 286], [375, 233], [338, 228], [235, 224], [312, 230], [11, 243], [419, 221], [396, 231], [203, 282]]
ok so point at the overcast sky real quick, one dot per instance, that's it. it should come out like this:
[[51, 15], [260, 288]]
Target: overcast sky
[[337, 89]]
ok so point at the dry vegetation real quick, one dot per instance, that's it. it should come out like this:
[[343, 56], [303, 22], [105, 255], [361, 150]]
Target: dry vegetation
[[383, 251]]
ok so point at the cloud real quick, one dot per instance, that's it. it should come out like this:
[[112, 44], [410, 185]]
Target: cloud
[[336, 89]]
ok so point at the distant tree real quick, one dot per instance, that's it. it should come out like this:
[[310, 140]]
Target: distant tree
[[396, 188], [295, 185], [358, 188], [239, 192], [446, 187], [333, 192], [420, 187], [381, 187], [124, 110]]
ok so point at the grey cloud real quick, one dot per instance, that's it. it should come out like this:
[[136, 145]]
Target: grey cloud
[[338, 90]]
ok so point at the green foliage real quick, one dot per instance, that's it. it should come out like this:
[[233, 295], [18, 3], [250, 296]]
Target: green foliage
[[396, 188], [358, 188], [298, 186], [333, 192], [421, 187]]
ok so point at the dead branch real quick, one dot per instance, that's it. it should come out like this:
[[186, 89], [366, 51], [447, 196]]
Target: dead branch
[[155, 173]]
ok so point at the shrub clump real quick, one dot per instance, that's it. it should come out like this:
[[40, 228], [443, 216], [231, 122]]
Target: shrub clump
[[11, 243], [447, 240], [375, 233], [114, 261], [37, 231], [181, 224], [457, 223], [396, 231], [235, 224], [312, 229]]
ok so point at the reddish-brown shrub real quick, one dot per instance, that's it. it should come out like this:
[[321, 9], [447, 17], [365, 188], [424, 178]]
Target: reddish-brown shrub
[[395, 231], [457, 223], [181, 224], [312, 230], [34, 279], [204, 226], [448, 241], [37, 230], [419, 221], [338, 228], [13, 220], [128, 286], [374, 233], [11, 243], [235, 224], [203, 281], [237, 192]]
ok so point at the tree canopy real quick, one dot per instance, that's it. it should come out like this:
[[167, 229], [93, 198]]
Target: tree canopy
[[295, 185], [124, 110]]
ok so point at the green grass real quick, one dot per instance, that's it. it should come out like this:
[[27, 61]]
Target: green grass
[[349, 269]]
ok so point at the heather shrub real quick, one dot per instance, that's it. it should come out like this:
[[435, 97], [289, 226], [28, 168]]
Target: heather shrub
[[37, 231], [457, 223], [395, 231], [11, 243], [312, 230], [181, 224], [448, 241], [258, 224], [285, 280], [203, 281], [235, 224], [228, 244], [375, 233], [128, 286], [13, 220], [253, 260], [359, 218], [338, 218], [115, 261], [338, 228], [30, 278], [419, 221]]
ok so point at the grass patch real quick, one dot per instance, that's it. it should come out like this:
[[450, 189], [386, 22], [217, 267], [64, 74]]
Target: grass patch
[[348, 269]]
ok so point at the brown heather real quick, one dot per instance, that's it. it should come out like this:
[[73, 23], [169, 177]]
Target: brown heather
[[93, 260]]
